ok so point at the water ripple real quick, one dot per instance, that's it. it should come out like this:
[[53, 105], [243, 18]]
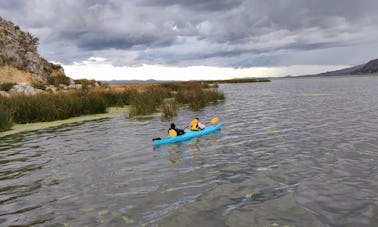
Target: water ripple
[[298, 152]]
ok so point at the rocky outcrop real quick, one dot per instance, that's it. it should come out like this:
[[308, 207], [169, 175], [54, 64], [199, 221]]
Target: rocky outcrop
[[4, 94], [18, 50], [26, 89]]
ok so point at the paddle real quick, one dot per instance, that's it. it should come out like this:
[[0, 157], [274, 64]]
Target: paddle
[[214, 120]]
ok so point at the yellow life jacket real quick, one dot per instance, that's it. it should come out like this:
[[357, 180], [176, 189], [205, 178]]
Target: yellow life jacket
[[194, 125], [172, 132]]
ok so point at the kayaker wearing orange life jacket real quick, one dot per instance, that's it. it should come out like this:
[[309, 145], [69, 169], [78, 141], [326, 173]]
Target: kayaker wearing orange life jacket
[[196, 125], [173, 131]]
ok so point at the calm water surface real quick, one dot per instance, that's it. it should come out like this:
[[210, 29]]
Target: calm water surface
[[293, 152]]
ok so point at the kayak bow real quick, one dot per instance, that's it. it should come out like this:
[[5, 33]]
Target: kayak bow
[[188, 135]]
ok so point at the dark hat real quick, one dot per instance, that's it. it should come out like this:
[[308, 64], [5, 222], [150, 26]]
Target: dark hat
[[173, 125]]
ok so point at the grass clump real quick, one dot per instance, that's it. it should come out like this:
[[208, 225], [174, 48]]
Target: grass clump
[[198, 98], [143, 103], [169, 108], [57, 80], [147, 100]]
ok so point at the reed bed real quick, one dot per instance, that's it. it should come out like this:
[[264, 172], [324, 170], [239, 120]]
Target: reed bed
[[148, 99], [198, 98], [6, 121], [169, 108], [142, 100], [50, 107]]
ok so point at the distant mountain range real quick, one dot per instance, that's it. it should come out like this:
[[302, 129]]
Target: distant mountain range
[[235, 80], [364, 69], [129, 81]]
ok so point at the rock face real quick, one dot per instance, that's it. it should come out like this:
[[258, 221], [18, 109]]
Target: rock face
[[18, 52]]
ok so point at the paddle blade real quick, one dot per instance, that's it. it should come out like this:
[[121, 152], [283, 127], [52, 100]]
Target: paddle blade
[[214, 120]]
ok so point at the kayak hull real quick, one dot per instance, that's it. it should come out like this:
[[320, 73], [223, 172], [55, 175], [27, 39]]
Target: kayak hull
[[188, 135]]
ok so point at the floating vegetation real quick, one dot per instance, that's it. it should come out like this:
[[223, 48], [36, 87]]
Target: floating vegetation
[[127, 219], [272, 130], [103, 212], [314, 94]]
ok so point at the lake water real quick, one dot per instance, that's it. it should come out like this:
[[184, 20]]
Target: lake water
[[293, 152]]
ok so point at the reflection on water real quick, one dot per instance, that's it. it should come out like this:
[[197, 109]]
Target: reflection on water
[[293, 152]]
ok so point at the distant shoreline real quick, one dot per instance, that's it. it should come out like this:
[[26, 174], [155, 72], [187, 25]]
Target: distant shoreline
[[136, 82], [345, 75], [319, 76]]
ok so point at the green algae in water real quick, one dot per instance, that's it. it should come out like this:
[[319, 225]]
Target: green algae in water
[[18, 128], [127, 219]]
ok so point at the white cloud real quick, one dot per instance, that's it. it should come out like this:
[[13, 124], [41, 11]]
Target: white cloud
[[100, 69]]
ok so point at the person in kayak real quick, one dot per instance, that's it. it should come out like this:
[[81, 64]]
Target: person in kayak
[[173, 131], [196, 125]]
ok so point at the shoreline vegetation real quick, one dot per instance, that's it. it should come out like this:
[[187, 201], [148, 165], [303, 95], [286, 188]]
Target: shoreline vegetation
[[241, 80], [140, 99], [22, 112]]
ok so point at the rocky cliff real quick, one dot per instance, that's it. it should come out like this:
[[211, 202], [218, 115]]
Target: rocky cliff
[[19, 59]]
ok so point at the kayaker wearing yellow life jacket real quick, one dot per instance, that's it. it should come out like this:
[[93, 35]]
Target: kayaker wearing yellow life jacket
[[196, 125], [173, 131]]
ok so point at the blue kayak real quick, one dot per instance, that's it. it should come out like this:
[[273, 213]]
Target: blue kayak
[[188, 135]]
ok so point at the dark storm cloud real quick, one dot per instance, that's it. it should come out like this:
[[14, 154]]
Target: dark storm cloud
[[186, 32], [9, 5], [96, 41]]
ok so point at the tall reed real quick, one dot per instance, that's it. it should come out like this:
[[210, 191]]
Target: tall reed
[[144, 103], [198, 98], [5, 120], [117, 98], [169, 108], [50, 107]]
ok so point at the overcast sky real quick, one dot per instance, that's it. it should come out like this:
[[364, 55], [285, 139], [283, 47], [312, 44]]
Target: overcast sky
[[120, 39]]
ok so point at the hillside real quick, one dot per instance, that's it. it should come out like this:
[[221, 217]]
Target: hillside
[[19, 59], [369, 68]]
